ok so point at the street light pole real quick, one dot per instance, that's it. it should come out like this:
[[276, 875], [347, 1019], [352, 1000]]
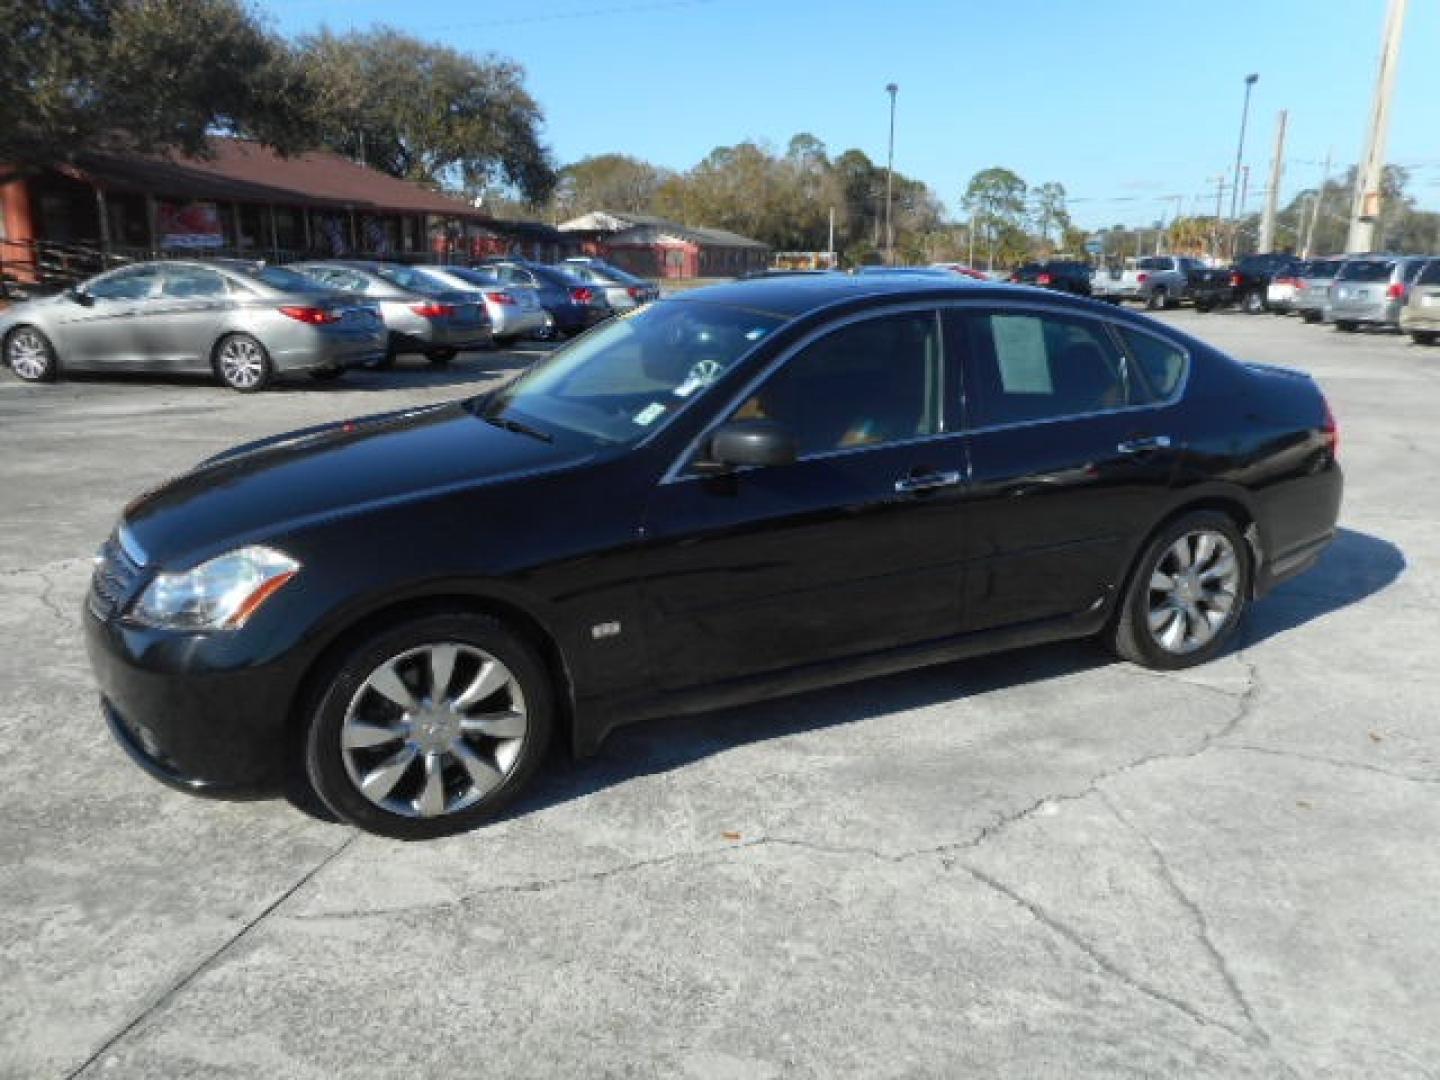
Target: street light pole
[[892, 89], [1250, 81]]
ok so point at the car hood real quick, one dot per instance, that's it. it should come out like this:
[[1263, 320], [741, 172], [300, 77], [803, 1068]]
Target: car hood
[[273, 486]]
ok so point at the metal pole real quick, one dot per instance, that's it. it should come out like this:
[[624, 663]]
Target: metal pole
[[1250, 81], [1370, 176], [1215, 233], [891, 89], [830, 247], [1315, 209], [1272, 197]]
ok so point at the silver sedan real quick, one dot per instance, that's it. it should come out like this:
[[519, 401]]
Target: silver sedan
[[515, 310], [244, 323]]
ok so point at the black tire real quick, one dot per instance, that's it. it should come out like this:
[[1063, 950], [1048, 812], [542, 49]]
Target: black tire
[[1157, 300], [242, 363], [1423, 337], [325, 762], [1311, 316], [35, 368], [1253, 302], [441, 357], [326, 374], [1204, 306], [1131, 636], [1346, 327], [502, 341]]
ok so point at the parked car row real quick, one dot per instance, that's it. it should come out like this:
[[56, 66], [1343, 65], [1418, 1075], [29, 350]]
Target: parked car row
[[247, 323], [1349, 292]]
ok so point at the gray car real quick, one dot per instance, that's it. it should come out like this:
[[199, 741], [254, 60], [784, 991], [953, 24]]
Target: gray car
[[421, 315], [1369, 290], [243, 322], [1315, 278], [515, 310], [622, 289]]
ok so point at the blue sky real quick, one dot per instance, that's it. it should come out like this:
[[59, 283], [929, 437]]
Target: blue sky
[[1121, 102]]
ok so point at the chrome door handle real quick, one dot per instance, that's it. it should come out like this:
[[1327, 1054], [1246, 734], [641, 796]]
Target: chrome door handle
[[1139, 446], [911, 485]]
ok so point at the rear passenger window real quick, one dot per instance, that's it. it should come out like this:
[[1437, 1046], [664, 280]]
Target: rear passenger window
[[1162, 364], [1430, 274], [1021, 368]]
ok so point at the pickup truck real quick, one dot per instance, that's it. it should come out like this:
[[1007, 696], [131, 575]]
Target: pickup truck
[[1162, 281]]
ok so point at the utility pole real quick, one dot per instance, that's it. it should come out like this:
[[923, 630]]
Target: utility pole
[[1215, 233], [1272, 197], [1368, 179], [1315, 209], [830, 247], [892, 89], [1250, 81]]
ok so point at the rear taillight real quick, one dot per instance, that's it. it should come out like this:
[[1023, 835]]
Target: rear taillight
[[1234, 281], [582, 295], [635, 292], [1396, 291], [1142, 278], [499, 298], [315, 316], [1043, 279], [1331, 431], [432, 309]]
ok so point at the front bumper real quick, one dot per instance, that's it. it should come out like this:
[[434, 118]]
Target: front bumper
[[188, 712]]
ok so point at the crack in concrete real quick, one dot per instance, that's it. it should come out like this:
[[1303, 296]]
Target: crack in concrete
[[179, 985], [1202, 926], [1040, 915], [1338, 763]]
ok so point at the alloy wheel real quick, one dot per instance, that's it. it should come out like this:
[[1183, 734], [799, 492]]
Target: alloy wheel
[[433, 730], [242, 364], [1193, 591], [28, 354]]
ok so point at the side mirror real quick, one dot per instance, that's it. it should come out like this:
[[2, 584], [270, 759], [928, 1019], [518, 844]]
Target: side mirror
[[743, 443], [80, 296]]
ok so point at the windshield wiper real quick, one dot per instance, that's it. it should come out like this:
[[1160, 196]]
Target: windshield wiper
[[519, 428]]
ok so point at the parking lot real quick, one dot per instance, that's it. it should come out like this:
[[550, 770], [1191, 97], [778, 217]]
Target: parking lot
[[1042, 863]]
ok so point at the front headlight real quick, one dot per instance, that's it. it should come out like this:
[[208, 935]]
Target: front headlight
[[218, 595]]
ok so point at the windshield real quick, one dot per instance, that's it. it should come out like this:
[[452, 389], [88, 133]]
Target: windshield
[[1368, 270], [407, 277], [630, 377], [277, 277]]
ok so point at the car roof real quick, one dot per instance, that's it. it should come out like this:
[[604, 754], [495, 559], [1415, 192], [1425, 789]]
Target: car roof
[[789, 297]]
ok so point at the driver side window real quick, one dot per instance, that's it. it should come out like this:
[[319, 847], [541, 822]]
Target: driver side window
[[131, 284], [868, 384]]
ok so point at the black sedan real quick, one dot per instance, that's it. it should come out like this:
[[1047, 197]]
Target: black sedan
[[1062, 275], [747, 491]]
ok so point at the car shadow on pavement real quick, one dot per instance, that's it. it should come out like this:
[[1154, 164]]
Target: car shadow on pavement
[[1356, 566]]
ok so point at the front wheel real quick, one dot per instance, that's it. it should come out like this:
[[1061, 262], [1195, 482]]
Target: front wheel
[[1187, 596], [428, 728], [1423, 337], [30, 355], [242, 364]]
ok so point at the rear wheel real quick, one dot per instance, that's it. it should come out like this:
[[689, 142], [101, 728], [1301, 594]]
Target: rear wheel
[[1310, 316], [1188, 594], [30, 355], [1345, 326], [1423, 337], [1157, 300], [242, 364], [441, 357], [1253, 302], [1203, 306], [428, 728]]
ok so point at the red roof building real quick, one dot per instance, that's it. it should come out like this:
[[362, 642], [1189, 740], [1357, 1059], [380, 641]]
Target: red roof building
[[243, 200]]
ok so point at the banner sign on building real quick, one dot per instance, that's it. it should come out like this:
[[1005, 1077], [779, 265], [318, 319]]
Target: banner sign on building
[[190, 225]]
